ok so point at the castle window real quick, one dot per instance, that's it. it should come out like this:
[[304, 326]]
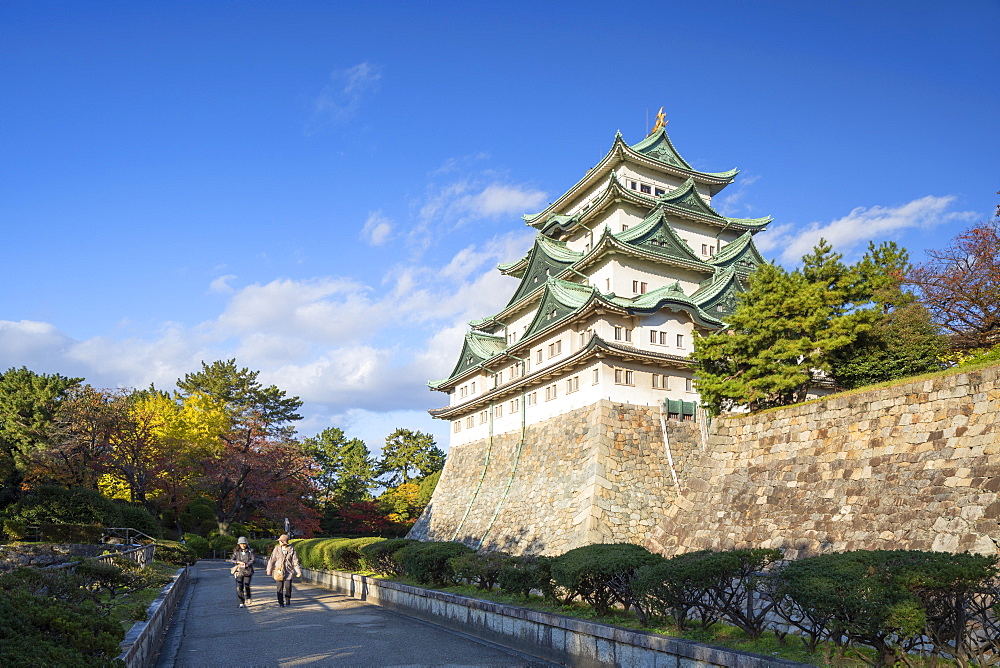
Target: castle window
[[550, 393], [538, 356], [652, 336], [498, 411], [623, 334], [624, 377], [572, 384], [680, 340], [663, 338], [639, 287], [555, 348], [624, 227], [473, 390], [597, 376], [707, 250], [633, 185], [644, 189], [661, 382], [531, 399], [470, 422], [688, 385], [659, 191], [456, 426], [515, 405], [483, 417]]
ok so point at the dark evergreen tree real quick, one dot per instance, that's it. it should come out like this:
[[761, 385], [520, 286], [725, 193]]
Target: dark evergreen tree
[[28, 405], [409, 451]]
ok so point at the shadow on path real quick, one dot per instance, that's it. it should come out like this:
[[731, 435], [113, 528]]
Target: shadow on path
[[319, 628]]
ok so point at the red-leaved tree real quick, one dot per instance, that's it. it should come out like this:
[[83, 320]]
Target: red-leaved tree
[[960, 285]]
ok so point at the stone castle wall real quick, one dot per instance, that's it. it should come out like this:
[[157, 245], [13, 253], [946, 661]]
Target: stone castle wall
[[913, 466], [597, 474]]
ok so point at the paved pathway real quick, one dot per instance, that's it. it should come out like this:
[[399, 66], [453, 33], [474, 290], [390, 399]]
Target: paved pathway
[[319, 628]]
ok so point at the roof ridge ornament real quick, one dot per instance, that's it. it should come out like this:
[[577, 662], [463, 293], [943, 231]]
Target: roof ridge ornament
[[661, 122]]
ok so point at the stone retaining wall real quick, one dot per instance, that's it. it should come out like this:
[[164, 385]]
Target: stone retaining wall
[[915, 466], [597, 474], [557, 638], [912, 466], [142, 641]]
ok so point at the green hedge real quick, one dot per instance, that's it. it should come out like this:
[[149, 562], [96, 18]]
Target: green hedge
[[382, 557], [430, 563], [601, 574]]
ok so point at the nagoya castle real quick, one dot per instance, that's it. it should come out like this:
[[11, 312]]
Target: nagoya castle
[[559, 403]]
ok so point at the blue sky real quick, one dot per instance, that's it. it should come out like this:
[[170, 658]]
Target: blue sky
[[323, 189]]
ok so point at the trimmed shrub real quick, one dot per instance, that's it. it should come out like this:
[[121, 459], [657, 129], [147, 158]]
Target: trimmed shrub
[[347, 555], [222, 545], [53, 618], [71, 533], [479, 568], [429, 563], [734, 585], [860, 598], [310, 551], [672, 588], [50, 504], [178, 554], [520, 575], [134, 517], [382, 557], [602, 574], [15, 529], [198, 544]]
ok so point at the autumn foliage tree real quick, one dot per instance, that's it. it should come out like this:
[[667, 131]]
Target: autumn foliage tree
[[960, 285]]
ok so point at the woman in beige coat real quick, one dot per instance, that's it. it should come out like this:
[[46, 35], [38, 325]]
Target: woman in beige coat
[[283, 557]]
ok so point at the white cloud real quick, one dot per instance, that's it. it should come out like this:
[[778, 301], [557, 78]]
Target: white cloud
[[860, 226], [221, 284], [377, 229], [341, 98]]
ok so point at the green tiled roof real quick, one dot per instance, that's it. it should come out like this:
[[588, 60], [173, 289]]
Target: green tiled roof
[[655, 235], [670, 297], [546, 258], [659, 147], [685, 199], [717, 296], [741, 254], [477, 348], [560, 299]]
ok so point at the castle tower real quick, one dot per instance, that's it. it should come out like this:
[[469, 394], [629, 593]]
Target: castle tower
[[629, 265]]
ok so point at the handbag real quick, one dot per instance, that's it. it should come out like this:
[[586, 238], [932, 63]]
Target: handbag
[[278, 573], [235, 570]]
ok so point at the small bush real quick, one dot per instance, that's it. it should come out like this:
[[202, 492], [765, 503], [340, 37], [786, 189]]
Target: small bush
[[672, 588], [602, 574], [382, 557], [198, 544], [134, 517], [479, 568], [429, 563], [15, 529], [520, 575], [178, 554], [222, 545]]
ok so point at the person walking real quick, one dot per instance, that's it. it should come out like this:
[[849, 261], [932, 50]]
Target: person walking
[[243, 557], [282, 564]]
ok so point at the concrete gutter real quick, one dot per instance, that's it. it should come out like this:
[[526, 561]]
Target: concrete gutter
[[555, 637], [143, 640]]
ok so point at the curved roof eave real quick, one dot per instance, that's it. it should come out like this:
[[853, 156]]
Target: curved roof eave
[[595, 346], [716, 181]]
